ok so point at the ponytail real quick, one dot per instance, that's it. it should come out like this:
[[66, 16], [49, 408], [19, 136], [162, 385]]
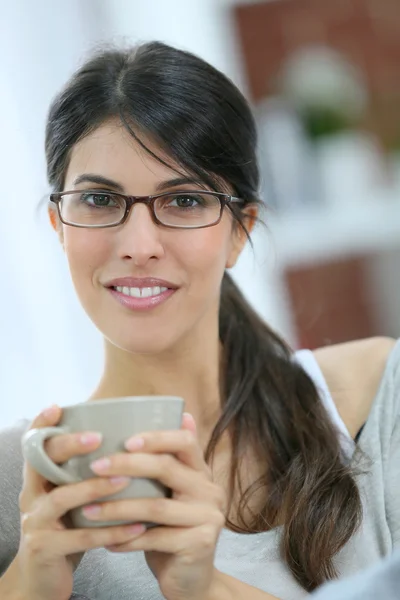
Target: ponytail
[[272, 406]]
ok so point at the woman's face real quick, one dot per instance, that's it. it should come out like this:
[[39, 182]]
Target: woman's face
[[191, 262]]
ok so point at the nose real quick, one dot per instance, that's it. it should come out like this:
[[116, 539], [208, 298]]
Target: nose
[[138, 238]]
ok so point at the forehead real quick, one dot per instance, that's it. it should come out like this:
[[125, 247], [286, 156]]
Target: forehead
[[111, 151]]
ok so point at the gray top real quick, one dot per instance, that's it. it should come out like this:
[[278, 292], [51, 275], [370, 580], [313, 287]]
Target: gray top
[[253, 559], [380, 581]]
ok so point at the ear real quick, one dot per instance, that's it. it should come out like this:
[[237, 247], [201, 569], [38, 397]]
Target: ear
[[55, 223], [239, 233]]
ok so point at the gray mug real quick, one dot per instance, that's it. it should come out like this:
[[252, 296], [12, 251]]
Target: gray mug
[[117, 420]]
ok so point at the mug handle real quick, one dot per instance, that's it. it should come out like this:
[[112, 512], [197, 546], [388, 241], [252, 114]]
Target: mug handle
[[34, 453]]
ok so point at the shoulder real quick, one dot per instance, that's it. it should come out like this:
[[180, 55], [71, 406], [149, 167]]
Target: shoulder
[[11, 459], [11, 470], [353, 372], [11, 436]]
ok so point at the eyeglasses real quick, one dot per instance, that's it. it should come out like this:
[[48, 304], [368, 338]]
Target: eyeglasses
[[180, 210]]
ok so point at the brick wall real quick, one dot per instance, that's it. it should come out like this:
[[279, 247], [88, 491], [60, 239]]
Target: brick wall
[[366, 31], [331, 302]]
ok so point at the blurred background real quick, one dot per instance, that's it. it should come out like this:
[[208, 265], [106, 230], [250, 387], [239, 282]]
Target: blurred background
[[323, 80]]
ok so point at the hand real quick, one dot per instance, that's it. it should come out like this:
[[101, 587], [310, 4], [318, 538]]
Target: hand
[[181, 553], [49, 551]]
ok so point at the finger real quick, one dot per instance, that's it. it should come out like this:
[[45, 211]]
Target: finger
[[189, 423], [47, 418], [163, 511], [196, 543], [181, 442], [162, 467], [63, 447], [71, 541], [59, 501]]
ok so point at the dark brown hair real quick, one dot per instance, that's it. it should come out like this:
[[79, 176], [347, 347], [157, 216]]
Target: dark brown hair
[[201, 120]]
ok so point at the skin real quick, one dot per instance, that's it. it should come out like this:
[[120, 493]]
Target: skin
[[353, 372], [142, 351], [173, 349]]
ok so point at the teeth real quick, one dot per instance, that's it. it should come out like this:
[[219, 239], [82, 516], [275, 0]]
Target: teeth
[[146, 292]]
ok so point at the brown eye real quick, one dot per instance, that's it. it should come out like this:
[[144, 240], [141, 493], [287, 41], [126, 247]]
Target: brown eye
[[186, 201], [98, 200]]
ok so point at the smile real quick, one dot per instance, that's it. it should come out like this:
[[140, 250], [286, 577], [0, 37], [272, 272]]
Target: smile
[[141, 298], [136, 292]]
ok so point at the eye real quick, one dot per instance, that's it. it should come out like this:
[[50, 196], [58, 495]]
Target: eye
[[99, 200], [186, 201], [188, 209]]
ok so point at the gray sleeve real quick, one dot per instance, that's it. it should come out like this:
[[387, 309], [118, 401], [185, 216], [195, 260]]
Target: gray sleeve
[[382, 581], [11, 466], [392, 466]]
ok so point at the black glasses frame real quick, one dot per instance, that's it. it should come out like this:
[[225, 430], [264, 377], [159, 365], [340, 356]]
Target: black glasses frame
[[225, 200]]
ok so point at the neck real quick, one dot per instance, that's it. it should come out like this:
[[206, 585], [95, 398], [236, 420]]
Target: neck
[[191, 370]]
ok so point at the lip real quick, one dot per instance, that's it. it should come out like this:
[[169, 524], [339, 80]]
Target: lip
[[141, 282], [141, 304]]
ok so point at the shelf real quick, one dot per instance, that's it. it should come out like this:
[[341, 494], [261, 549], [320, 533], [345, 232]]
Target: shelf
[[314, 235]]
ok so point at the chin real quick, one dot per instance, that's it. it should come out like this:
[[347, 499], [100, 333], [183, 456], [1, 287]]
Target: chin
[[145, 334], [145, 347], [146, 342]]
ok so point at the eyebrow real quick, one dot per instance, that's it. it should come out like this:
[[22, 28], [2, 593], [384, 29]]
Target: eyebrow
[[110, 183]]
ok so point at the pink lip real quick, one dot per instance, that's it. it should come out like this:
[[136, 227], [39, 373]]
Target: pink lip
[[140, 304]]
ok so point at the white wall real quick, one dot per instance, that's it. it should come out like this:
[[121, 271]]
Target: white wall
[[50, 352], [42, 360], [200, 26]]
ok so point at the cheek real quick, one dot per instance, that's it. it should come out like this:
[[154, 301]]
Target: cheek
[[85, 251], [203, 253]]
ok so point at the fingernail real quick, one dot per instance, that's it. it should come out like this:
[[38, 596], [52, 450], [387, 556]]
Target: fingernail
[[134, 443], [119, 480], [189, 417], [90, 438], [50, 412], [136, 529], [190, 422], [100, 465], [91, 510]]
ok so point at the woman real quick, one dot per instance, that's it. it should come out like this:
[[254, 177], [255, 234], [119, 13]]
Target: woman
[[266, 503]]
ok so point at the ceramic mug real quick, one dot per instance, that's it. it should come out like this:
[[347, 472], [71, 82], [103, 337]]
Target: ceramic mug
[[117, 419]]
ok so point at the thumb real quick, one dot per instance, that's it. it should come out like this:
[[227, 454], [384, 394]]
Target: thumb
[[189, 423], [48, 417]]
